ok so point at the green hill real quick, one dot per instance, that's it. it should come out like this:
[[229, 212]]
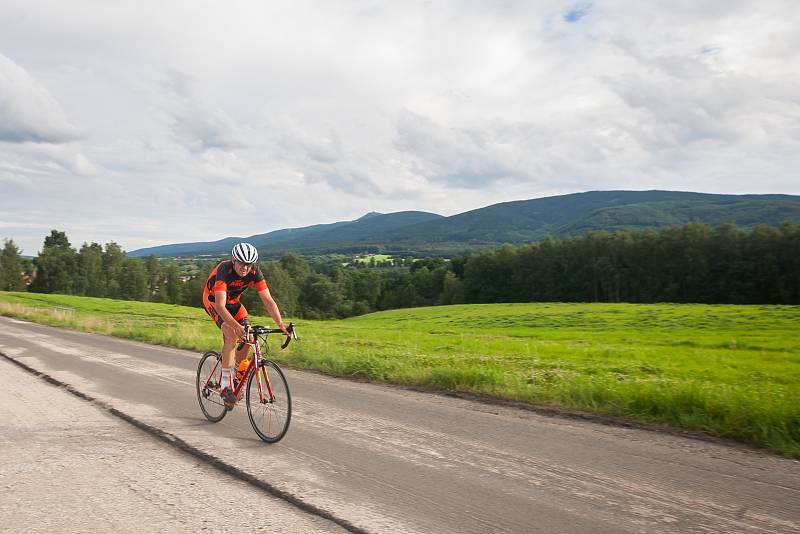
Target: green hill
[[421, 233], [309, 239], [531, 220]]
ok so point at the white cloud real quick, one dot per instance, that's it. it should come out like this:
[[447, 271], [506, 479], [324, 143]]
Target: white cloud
[[471, 158], [195, 125], [148, 123], [28, 112]]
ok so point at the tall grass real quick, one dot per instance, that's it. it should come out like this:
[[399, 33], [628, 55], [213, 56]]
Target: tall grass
[[731, 371]]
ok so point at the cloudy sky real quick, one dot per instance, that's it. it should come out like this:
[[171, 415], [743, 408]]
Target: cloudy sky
[[147, 122]]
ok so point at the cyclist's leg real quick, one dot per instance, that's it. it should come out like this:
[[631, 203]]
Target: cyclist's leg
[[227, 353], [211, 310], [229, 340], [225, 381], [243, 318]]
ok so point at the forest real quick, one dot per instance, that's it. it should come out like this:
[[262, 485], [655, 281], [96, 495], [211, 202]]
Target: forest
[[690, 263]]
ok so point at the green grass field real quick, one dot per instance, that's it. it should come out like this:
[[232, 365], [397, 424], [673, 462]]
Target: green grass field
[[376, 257], [731, 371]]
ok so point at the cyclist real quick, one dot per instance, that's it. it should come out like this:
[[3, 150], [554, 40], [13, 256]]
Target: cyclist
[[224, 286]]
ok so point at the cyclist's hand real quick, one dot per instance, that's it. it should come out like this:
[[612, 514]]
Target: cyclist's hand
[[284, 329], [241, 333]]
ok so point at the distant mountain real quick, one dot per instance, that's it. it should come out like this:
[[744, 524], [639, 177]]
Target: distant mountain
[[309, 239], [559, 216], [418, 233]]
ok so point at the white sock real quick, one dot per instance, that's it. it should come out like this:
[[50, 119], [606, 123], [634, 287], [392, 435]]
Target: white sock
[[226, 378]]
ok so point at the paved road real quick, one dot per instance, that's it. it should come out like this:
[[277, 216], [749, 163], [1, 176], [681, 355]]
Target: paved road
[[67, 466], [384, 459]]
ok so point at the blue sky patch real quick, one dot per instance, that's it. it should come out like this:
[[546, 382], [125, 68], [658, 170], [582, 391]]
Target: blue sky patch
[[577, 13]]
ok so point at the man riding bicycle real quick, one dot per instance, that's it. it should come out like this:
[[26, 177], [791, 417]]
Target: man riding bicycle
[[224, 286]]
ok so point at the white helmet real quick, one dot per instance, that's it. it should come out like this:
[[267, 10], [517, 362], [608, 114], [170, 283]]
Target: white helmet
[[245, 253]]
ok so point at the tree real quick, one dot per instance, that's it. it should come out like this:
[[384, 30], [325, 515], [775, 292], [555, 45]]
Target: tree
[[193, 290], [173, 287], [133, 280], [398, 292], [319, 296], [360, 289], [11, 267], [788, 257], [297, 268], [55, 265], [90, 280], [452, 289], [427, 263], [428, 284], [154, 276], [282, 287], [113, 258]]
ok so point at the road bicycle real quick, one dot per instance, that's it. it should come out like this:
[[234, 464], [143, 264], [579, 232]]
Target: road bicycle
[[269, 402]]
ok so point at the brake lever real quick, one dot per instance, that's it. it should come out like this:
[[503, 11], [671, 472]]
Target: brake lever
[[292, 335]]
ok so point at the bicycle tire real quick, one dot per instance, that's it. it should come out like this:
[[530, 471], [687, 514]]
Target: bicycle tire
[[210, 400], [270, 420]]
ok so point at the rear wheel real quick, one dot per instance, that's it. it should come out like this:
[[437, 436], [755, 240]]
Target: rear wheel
[[271, 411], [209, 374]]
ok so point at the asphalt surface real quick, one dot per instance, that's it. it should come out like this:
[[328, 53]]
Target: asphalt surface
[[368, 457], [68, 466]]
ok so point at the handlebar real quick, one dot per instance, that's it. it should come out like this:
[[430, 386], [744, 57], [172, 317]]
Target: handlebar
[[263, 330]]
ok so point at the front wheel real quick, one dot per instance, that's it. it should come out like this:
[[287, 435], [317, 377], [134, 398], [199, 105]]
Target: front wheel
[[270, 406], [209, 377]]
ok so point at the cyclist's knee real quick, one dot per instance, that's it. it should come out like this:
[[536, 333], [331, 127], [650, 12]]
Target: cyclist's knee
[[228, 333]]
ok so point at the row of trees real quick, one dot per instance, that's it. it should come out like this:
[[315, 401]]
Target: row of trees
[[93, 271], [693, 263]]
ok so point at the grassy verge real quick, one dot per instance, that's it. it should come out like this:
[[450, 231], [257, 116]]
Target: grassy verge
[[732, 371]]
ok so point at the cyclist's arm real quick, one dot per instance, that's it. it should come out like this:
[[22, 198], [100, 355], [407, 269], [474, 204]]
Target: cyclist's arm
[[220, 299], [272, 308]]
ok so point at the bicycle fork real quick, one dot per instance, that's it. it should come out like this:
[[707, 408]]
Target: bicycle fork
[[259, 370]]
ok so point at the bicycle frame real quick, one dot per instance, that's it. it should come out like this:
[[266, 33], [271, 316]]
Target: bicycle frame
[[253, 367]]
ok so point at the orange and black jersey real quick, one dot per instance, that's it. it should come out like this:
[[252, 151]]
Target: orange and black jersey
[[224, 278]]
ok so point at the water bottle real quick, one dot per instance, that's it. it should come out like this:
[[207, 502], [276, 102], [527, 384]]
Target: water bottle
[[242, 369]]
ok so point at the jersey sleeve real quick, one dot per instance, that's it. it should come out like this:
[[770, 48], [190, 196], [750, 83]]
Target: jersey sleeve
[[220, 282], [261, 283]]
